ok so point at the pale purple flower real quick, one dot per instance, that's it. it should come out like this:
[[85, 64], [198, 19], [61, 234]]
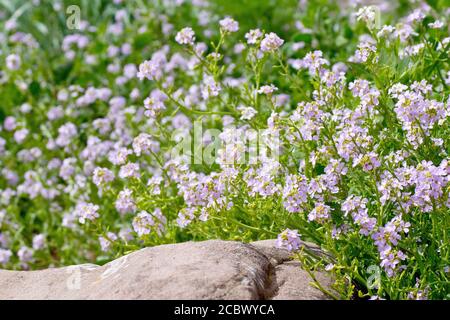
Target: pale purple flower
[[13, 62], [411, 51], [25, 108], [144, 143], [143, 223], [10, 123], [117, 102], [39, 242], [365, 51], [295, 192], [204, 215], [119, 156], [25, 254], [55, 113], [21, 135], [210, 88], [390, 260], [135, 94], [416, 15], [86, 211], [10, 24], [267, 89], [126, 49], [289, 239], [102, 176], [149, 69], [229, 24], [129, 70], [260, 180], [313, 61], [253, 36], [126, 234], [368, 161], [185, 36], [2, 145], [153, 106], [367, 14], [106, 242], [404, 31], [125, 202], [185, 217], [67, 168], [129, 170], [103, 125], [385, 31], [320, 213], [65, 134], [271, 42], [247, 113], [5, 255]]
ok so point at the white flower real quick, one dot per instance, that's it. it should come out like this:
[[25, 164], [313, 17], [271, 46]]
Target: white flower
[[185, 36]]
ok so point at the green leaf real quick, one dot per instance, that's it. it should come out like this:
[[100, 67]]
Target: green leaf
[[305, 37]]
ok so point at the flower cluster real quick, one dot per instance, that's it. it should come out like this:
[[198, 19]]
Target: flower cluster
[[138, 130]]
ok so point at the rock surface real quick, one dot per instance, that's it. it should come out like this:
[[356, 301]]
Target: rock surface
[[212, 269]]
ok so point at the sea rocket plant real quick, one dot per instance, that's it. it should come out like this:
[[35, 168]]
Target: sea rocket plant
[[177, 121]]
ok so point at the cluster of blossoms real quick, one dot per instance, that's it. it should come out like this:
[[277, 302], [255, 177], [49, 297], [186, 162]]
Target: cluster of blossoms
[[86, 211], [145, 222], [418, 114], [289, 239], [348, 148]]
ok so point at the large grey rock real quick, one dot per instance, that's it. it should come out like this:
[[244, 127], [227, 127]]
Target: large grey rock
[[193, 270], [292, 282]]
